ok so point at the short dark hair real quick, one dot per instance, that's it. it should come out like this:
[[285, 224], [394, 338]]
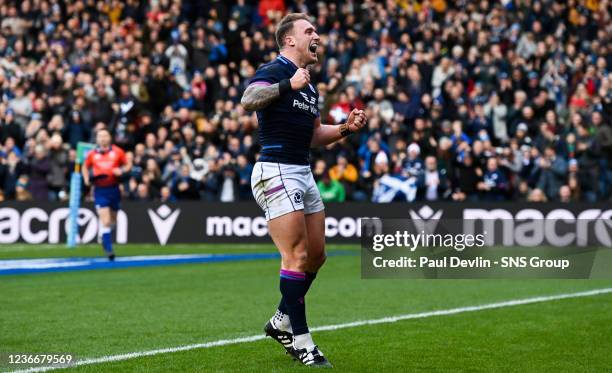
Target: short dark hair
[[286, 25], [106, 129]]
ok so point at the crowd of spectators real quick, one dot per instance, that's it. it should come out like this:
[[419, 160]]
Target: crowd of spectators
[[467, 100]]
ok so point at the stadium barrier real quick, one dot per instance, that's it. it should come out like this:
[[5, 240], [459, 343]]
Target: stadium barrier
[[202, 222]]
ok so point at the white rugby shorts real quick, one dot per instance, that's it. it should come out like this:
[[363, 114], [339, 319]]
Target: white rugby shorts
[[282, 188]]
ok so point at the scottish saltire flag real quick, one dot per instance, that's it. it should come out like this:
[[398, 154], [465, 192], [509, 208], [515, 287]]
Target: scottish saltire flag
[[394, 188]]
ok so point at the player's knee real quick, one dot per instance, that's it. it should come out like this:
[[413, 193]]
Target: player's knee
[[301, 260], [316, 261], [322, 259], [296, 259], [105, 221]]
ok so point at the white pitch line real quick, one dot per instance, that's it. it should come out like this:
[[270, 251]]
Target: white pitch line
[[384, 320]]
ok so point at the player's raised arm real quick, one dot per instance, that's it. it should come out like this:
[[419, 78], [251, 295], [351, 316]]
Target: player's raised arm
[[325, 134], [260, 94]]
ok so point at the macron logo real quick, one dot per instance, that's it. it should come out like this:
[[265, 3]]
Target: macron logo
[[163, 222], [426, 219]]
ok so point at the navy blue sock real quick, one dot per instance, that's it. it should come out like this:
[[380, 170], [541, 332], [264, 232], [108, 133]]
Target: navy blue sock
[[310, 277], [293, 288], [107, 240]]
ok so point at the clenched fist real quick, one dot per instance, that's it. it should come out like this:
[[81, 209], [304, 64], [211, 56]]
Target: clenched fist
[[356, 120], [300, 79]]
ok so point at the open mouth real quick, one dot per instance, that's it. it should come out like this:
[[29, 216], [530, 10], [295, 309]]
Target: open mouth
[[313, 47]]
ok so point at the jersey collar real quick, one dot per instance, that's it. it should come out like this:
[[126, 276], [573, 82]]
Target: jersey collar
[[102, 151], [286, 61]]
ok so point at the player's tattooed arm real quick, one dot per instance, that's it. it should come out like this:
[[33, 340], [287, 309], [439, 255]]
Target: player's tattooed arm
[[257, 97]]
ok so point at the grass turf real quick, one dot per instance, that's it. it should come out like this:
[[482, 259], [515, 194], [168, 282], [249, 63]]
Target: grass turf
[[104, 312]]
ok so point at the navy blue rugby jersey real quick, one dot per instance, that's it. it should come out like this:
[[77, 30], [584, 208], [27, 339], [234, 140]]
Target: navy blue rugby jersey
[[286, 125]]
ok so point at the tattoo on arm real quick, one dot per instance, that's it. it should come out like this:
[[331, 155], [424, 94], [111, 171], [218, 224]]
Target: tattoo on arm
[[257, 97]]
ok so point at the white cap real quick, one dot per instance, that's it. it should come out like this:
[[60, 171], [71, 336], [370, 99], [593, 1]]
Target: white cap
[[381, 158], [414, 147]]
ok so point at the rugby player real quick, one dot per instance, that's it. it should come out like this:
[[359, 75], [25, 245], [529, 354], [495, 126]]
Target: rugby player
[[107, 163], [283, 185]]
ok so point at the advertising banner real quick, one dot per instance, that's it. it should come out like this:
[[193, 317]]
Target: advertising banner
[[203, 222]]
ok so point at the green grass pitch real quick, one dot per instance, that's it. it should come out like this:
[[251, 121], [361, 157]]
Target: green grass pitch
[[108, 312]]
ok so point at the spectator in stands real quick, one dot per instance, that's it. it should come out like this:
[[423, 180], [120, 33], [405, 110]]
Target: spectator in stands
[[344, 172], [142, 192], [551, 173], [58, 168], [165, 195], [413, 165], [210, 185], [331, 190], [229, 184], [432, 182], [565, 194], [13, 169], [466, 177], [184, 187], [494, 184], [244, 170], [38, 184], [537, 195], [21, 189]]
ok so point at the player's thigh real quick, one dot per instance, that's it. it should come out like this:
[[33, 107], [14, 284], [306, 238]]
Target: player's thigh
[[104, 213], [277, 191], [315, 231], [312, 197], [288, 232]]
